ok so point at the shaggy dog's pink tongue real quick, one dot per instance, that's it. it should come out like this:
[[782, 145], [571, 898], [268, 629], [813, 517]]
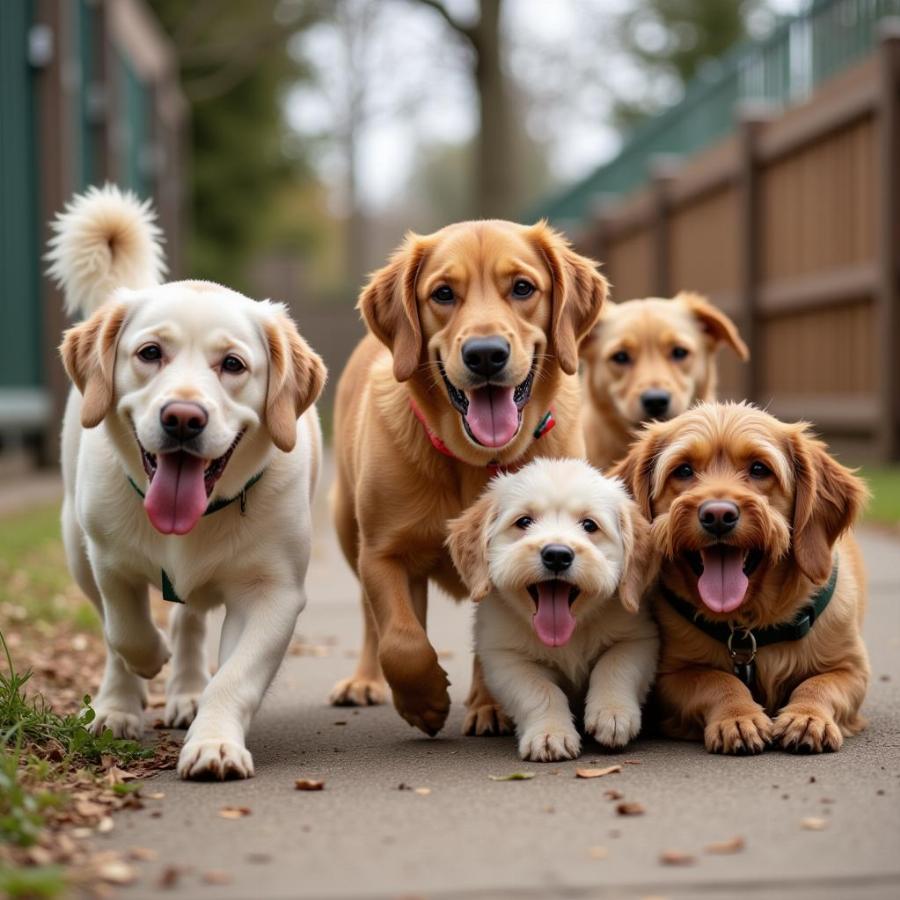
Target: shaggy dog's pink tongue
[[176, 497], [492, 416], [553, 622], [723, 583]]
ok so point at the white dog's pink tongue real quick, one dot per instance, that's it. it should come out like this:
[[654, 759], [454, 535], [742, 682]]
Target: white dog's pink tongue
[[492, 416], [723, 583], [553, 622], [176, 497]]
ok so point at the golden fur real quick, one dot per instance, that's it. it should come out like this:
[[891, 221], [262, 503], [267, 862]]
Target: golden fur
[[653, 333], [394, 492], [799, 516]]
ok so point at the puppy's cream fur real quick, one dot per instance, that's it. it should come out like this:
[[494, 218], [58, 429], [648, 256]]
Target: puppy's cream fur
[[607, 665], [107, 258]]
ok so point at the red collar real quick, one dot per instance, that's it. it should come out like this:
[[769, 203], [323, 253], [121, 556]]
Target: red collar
[[546, 423]]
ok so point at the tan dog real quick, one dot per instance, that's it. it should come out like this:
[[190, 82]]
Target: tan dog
[[649, 359], [475, 333], [752, 515]]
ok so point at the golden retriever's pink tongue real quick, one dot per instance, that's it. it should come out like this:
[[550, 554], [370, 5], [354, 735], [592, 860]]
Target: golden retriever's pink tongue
[[553, 622], [492, 417], [723, 583], [176, 497]]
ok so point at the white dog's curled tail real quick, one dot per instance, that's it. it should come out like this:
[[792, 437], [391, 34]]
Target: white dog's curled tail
[[105, 239]]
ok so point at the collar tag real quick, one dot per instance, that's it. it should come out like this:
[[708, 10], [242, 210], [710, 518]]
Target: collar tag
[[168, 589]]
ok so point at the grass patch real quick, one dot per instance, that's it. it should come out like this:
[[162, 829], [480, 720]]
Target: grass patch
[[884, 483]]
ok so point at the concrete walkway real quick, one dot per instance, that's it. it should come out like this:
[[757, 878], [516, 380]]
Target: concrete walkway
[[468, 836]]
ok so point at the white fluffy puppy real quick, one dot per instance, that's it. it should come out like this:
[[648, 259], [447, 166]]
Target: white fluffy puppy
[[190, 455], [557, 557]]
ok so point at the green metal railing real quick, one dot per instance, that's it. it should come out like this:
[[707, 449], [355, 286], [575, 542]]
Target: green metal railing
[[785, 68]]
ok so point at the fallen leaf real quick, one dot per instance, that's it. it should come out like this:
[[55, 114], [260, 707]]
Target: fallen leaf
[[116, 872], [105, 825], [155, 795], [423, 791], [597, 773], [598, 852], [217, 876], [732, 845], [630, 808], [812, 823], [308, 784], [613, 794], [169, 877], [234, 812], [513, 776], [676, 858]]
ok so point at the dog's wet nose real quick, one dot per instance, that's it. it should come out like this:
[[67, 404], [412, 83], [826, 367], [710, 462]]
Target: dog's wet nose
[[486, 356], [656, 403], [557, 557], [718, 517], [183, 420]]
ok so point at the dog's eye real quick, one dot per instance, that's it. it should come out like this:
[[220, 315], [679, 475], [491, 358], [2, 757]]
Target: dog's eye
[[683, 472], [524, 522], [589, 525], [150, 353], [233, 365], [759, 470], [443, 294], [523, 289], [680, 353], [621, 358]]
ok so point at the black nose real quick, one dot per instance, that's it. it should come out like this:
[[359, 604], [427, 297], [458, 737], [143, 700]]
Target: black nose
[[557, 557], [182, 420], [486, 356], [718, 517], [656, 403]]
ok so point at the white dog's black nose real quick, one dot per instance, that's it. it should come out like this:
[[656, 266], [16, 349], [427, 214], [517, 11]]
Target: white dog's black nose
[[656, 403], [486, 356], [718, 517], [557, 557], [183, 420]]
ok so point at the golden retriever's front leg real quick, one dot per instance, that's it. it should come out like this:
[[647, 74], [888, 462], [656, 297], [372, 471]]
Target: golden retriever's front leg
[[365, 687], [732, 721], [409, 662], [483, 713]]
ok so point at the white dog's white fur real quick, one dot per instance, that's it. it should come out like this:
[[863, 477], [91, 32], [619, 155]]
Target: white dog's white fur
[[250, 555], [609, 661]]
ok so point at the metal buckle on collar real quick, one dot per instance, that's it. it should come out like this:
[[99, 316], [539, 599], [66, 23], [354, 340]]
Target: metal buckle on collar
[[741, 655]]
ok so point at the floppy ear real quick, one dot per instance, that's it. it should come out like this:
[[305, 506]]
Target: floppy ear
[[467, 540], [718, 327], [388, 305], [828, 498], [636, 470], [88, 353], [579, 292], [296, 378], [642, 558]]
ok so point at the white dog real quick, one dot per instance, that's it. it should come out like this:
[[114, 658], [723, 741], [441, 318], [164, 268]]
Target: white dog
[[557, 557], [190, 454]]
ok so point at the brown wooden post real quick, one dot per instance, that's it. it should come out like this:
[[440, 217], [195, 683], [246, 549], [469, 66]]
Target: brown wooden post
[[662, 174], [888, 296]]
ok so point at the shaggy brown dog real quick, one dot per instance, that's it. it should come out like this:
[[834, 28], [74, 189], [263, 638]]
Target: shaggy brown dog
[[649, 359], [474, 341], [752, 515]]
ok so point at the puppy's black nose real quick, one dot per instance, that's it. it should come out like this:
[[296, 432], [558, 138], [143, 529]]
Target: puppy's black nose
[[656, 403], [718, 517], [183, 420], [486, 356], [557, 557]]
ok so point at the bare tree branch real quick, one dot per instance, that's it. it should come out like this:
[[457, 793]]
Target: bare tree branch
[[461, 28]]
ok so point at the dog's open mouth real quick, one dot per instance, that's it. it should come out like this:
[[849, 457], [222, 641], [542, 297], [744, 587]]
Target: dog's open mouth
[[723, 574], [491, 413], [180, 486], [553, 620]]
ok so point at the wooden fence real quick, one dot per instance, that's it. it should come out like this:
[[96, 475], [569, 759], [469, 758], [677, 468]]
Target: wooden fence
[[791, 224]]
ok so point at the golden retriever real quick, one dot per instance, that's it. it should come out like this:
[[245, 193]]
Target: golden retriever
[[185, 467], [557, 557], [474, 343], [762, 589], [649, 359]]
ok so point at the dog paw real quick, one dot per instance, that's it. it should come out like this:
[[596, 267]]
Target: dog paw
[[486, 719], [418, 683], [549, 743], [356, 691], [122, 723], [613, 726], [215, 760], [180, 710], [427, 712], [743, 734], [800, 730]]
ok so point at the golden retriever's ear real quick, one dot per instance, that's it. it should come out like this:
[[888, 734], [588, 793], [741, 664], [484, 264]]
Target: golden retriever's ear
[[828, 498], [579, 292], [642, 558], [467, 540], [636, 470], [719, 328], [390, 309], [296, 378], [89, 355]]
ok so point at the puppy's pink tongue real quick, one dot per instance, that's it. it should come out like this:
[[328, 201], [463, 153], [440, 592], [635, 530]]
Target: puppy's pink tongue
[[553, 622], [176, 497], [723, 583], [492, 417]]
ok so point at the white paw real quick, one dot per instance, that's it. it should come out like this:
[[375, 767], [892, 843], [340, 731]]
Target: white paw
[[358, 691], [121, 723], [145, 659], [180, 710], [214, 759], [547, 742], [613, 726]]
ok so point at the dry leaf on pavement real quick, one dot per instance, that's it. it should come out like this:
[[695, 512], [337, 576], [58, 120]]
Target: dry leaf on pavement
[[613, 794], [217, 876], [732, 845], [813, 823], [676, 858], [630, 808], [234, 812], [513, 776], [423, 791], [597, 773], [309, 784]]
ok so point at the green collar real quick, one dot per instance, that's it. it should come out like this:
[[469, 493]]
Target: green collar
[[168, 589]]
